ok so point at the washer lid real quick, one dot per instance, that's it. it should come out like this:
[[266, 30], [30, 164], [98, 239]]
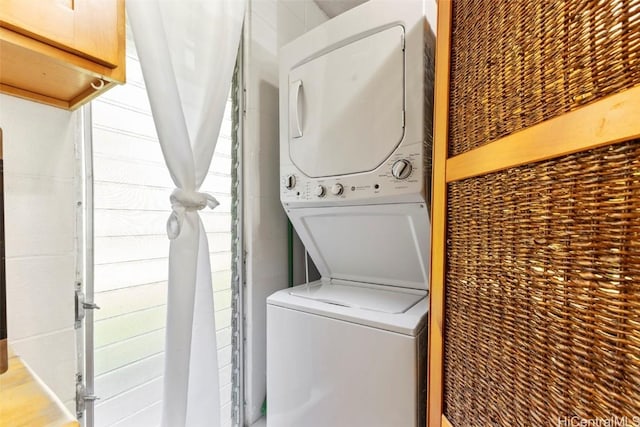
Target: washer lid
[[380, 244], [346, 106], [378, 298], [408, 322]]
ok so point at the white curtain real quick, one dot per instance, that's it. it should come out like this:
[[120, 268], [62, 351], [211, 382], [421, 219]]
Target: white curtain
[[187, 50]]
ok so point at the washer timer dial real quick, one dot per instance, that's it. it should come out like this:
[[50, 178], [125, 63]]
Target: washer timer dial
[[401, 169]]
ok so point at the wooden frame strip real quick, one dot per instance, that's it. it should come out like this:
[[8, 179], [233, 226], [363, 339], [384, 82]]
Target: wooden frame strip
[[33, 96], [63, 57], [439, 207], [445, 422], [606, 121]]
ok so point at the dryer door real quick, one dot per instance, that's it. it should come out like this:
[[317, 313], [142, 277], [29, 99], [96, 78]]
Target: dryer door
[[346, 107]]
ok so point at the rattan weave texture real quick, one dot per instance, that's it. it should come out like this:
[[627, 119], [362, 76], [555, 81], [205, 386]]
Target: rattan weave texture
[[542, 295], [516, 63]]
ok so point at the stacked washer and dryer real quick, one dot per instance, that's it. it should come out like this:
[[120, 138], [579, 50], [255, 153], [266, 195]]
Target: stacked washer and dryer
[[355, 138]]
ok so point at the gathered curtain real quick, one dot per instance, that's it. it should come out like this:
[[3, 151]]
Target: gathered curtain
[[187, 51]]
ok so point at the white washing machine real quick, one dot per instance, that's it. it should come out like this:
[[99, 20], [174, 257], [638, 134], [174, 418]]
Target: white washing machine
[[346, 355], [355, 139]]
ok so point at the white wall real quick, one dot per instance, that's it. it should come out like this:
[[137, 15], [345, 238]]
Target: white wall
[[40, 195], [269, 25]]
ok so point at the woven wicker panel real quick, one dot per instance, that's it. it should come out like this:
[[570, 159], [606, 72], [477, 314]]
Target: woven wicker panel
[[516, 63], [543, 292]]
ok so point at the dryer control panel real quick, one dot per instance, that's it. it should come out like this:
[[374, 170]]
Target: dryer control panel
[[401, 178]]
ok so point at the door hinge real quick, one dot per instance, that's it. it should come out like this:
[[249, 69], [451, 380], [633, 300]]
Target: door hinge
[[82, 397], [81, 306], [245, 254], [244, 101]]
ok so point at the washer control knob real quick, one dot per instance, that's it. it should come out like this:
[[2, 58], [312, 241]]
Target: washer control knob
[[320, 191], [289, 182], [337, 189], [401, 169]]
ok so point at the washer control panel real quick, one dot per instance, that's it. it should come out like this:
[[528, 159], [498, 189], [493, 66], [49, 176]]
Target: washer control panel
[[400, 176]]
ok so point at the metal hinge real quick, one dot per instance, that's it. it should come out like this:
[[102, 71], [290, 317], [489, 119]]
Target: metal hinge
[[403, 118], [244, 101], [82, 397], [402, 41], [245, 254], [81, 306]]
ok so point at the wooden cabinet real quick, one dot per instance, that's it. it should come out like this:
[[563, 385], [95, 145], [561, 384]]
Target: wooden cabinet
[[536, 202], [61, 52]]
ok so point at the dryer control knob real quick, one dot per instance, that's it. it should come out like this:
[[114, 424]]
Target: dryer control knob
[[337, 189], [401, 169], [320, 191], [289, 182]]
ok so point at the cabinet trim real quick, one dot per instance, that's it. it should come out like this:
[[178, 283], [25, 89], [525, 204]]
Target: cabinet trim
[[603, 122], [440, 146]]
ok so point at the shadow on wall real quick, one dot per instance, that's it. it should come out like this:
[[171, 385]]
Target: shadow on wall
[[268, 127], [268, 141]]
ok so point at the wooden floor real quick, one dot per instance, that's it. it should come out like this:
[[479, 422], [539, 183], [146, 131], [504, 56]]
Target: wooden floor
[[27, 401]]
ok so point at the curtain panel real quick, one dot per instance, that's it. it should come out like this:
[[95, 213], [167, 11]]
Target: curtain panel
[[187, 52]]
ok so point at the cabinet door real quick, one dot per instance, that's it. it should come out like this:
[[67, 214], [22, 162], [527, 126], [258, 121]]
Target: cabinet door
[[536, 195], [85, 27]]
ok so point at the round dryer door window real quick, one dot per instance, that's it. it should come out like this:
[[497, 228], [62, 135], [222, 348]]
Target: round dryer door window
[[346, 106]]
